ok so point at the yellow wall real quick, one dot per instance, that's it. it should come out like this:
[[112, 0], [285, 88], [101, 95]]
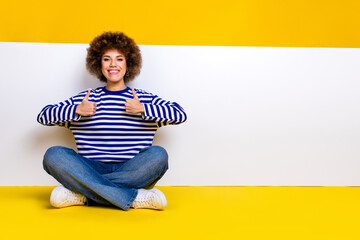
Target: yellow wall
[[285, 23]]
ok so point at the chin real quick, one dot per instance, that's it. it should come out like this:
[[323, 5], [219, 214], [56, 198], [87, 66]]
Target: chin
[[115, 81]]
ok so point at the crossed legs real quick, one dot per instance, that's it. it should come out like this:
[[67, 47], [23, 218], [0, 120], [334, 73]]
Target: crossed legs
[[106, 183]]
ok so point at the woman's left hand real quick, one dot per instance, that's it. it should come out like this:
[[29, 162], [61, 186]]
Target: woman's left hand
[[134, 105]]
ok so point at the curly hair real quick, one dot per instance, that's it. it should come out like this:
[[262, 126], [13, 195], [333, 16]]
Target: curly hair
[[120, 42]]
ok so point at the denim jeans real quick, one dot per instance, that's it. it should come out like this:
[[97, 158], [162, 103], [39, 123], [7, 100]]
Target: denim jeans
[[106, 183]]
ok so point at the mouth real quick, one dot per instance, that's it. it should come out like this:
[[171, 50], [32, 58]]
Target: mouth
[[113, 71]]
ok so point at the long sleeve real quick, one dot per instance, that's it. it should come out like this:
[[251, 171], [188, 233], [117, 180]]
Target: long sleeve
[[161, 111], [112, 134], [59, 114]]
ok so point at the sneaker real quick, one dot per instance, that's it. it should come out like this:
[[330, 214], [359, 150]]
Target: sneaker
[[152, 198], [63, 197]]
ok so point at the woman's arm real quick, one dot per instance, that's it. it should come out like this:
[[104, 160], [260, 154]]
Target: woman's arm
[[67, 111], [157, 109]]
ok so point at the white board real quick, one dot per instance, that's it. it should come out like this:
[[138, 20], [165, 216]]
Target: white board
[[257, 116]]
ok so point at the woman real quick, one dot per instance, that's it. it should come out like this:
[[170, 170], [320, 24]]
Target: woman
[[114, 127]]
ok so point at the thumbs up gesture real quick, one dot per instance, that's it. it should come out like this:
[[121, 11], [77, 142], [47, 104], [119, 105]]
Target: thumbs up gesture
[[134, 105], [86, 108]]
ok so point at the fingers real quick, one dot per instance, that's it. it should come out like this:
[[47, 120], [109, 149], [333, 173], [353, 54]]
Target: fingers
[[86, 107], [91, 105], [134, 93], [93, 109], [134, 106], [86, 98], [127, 106], [90, 109]]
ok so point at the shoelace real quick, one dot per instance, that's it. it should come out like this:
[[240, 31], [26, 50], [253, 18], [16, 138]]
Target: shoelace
[[145, 200], [74, 198]]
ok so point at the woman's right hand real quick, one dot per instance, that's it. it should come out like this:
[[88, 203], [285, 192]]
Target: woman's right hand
[[86, 107]]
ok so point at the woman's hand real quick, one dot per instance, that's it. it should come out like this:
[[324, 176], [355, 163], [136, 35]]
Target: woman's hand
[[134, 105], [86, 108]]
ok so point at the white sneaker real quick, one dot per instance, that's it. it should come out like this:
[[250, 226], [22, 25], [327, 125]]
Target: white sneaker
[[63, 197], [152, 198]]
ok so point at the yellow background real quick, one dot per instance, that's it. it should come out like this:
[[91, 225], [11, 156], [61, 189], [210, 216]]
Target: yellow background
[[201, 213], [284, 23], [193, 212]]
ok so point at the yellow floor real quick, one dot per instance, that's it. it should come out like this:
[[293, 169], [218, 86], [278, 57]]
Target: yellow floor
[[192, 213]]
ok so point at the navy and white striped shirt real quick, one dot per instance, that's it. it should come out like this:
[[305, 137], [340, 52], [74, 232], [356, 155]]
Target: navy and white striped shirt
[[112, 134]]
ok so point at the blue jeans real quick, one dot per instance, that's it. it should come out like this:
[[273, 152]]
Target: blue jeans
[[106, 183]]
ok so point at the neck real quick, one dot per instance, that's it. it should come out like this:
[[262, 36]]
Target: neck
[[115, 86]]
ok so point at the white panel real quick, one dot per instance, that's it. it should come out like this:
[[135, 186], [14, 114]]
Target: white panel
[[256, 116]]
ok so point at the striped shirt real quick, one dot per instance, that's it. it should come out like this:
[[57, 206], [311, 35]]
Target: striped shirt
[[112, 134]]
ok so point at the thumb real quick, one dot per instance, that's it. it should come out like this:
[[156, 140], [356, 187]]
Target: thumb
[[86, 98], [134, 93]]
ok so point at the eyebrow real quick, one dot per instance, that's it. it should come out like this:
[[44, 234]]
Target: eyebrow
[[116, 56]]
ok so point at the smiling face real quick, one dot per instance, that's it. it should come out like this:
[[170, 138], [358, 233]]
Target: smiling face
[[113, 66]]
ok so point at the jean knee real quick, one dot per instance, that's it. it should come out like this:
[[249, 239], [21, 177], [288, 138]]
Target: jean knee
[[53, 156], [161, 158]]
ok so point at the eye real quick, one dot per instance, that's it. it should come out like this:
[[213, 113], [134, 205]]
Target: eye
[[106, 59], [120, 59]]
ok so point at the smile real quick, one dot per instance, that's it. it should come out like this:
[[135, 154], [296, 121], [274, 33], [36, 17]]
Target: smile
[[113, 71]]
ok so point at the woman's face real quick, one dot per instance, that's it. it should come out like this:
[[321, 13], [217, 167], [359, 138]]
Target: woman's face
[[113, 66]]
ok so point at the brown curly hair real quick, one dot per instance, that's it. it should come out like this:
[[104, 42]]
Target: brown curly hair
[[120, 42]]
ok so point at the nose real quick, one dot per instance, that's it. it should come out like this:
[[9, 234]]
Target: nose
[[112, 63]]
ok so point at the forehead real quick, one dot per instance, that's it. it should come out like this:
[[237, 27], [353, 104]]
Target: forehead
[[113, 53]]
